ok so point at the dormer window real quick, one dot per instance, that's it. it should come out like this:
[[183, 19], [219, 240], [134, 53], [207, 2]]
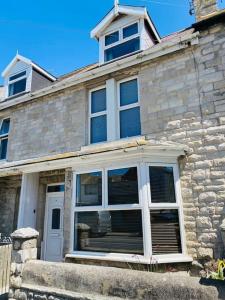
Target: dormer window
[[17, 84], [122, 42]]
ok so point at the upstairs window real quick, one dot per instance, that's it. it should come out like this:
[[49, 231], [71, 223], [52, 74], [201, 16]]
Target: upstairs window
[[129, 109], [98, 116], [17, 84], [122, 42], [4, 132]]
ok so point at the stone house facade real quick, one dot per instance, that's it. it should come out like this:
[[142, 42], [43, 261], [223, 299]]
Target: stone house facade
[[121, 161]]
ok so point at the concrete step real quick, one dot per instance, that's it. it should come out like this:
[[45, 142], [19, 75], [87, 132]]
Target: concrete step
[[50, 293]]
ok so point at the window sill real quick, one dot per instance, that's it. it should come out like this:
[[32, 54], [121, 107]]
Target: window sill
[[115, 143], [139, 259]]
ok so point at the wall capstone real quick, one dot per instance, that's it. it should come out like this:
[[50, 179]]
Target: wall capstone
[[24, 248]]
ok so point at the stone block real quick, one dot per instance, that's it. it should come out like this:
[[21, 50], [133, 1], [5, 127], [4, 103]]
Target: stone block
[[205, 253], [22, 256], [203, 222]]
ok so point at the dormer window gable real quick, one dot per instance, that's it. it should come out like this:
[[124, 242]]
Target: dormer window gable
[[23, 76], [125, 30]]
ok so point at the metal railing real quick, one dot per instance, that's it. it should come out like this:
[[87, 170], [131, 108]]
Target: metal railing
[[5, 262]]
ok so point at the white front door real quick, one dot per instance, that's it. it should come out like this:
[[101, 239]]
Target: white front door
[[53, 244]]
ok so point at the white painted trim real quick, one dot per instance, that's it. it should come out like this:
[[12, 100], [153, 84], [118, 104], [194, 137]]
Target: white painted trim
[[44, 242], [144, 205], [139, 12], [131, 258], [125, 107], [98, 114], [29, 62]]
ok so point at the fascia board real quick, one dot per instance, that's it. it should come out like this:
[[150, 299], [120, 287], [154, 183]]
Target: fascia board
[[13, 62]]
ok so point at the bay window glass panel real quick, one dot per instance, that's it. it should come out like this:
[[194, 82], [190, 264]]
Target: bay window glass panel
[[165, 231], [112, 38], [162, 184], [130, 30], [5, 126], [123, 186], [89, 189], [17, 76], [56, 218], [3, 148], [122, 49], [98, 129], [130, 124], [17, 87], [98, 101], [109, 231], [128, 92]]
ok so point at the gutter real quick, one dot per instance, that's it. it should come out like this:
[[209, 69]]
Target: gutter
[[159, 50]]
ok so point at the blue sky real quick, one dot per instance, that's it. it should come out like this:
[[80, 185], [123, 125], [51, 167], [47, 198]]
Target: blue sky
[[56, 34]]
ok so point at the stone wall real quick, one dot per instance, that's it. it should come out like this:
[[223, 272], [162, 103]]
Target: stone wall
[[183, 100], [9, 203], [49, 126]]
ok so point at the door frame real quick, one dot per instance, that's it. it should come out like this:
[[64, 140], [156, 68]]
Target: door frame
[[44, 242]]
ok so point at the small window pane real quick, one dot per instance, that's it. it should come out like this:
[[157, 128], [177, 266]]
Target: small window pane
[[17, 87], [17, 75], [123, 186], [162, 185], [5, 127], [165, 231], [98, 101], [89, 189], [122, 49], [109, 231], [98, 129], [130, 124], [128, 92], [56, 188], [130, 30], [3, 148], [56, 218], [112, 38]]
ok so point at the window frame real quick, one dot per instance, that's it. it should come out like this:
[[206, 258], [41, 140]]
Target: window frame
[[145, 207], [9, 82], [98, 114], [128, 106], [121, 39], [5, 137]]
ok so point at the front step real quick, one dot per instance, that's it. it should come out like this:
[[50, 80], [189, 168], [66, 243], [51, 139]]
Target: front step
[[48, 293]]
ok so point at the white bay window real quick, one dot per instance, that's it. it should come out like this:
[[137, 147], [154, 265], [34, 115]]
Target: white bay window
[[128, 212]]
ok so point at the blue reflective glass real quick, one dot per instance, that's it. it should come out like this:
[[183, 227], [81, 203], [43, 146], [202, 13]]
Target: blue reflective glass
[[5, 127], [17, 87], [130, 30], [122, 49], [98, 101], [130, 124], [128, 92], [3, 148], [98, 129], [17, 75], [112, 38]]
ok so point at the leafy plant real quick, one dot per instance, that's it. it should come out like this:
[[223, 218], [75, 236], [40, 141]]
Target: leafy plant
[[220, 274]]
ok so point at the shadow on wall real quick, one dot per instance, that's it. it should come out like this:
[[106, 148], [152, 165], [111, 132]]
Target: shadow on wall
[[218, 284]]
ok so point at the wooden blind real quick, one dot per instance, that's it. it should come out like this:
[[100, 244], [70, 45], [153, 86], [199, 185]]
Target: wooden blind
[[165, 231]]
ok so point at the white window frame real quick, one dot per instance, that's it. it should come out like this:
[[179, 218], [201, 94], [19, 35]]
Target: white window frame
[[126, 107], [98, 114], [144, 205], [4, 137], [121, 39], [9, 82]]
